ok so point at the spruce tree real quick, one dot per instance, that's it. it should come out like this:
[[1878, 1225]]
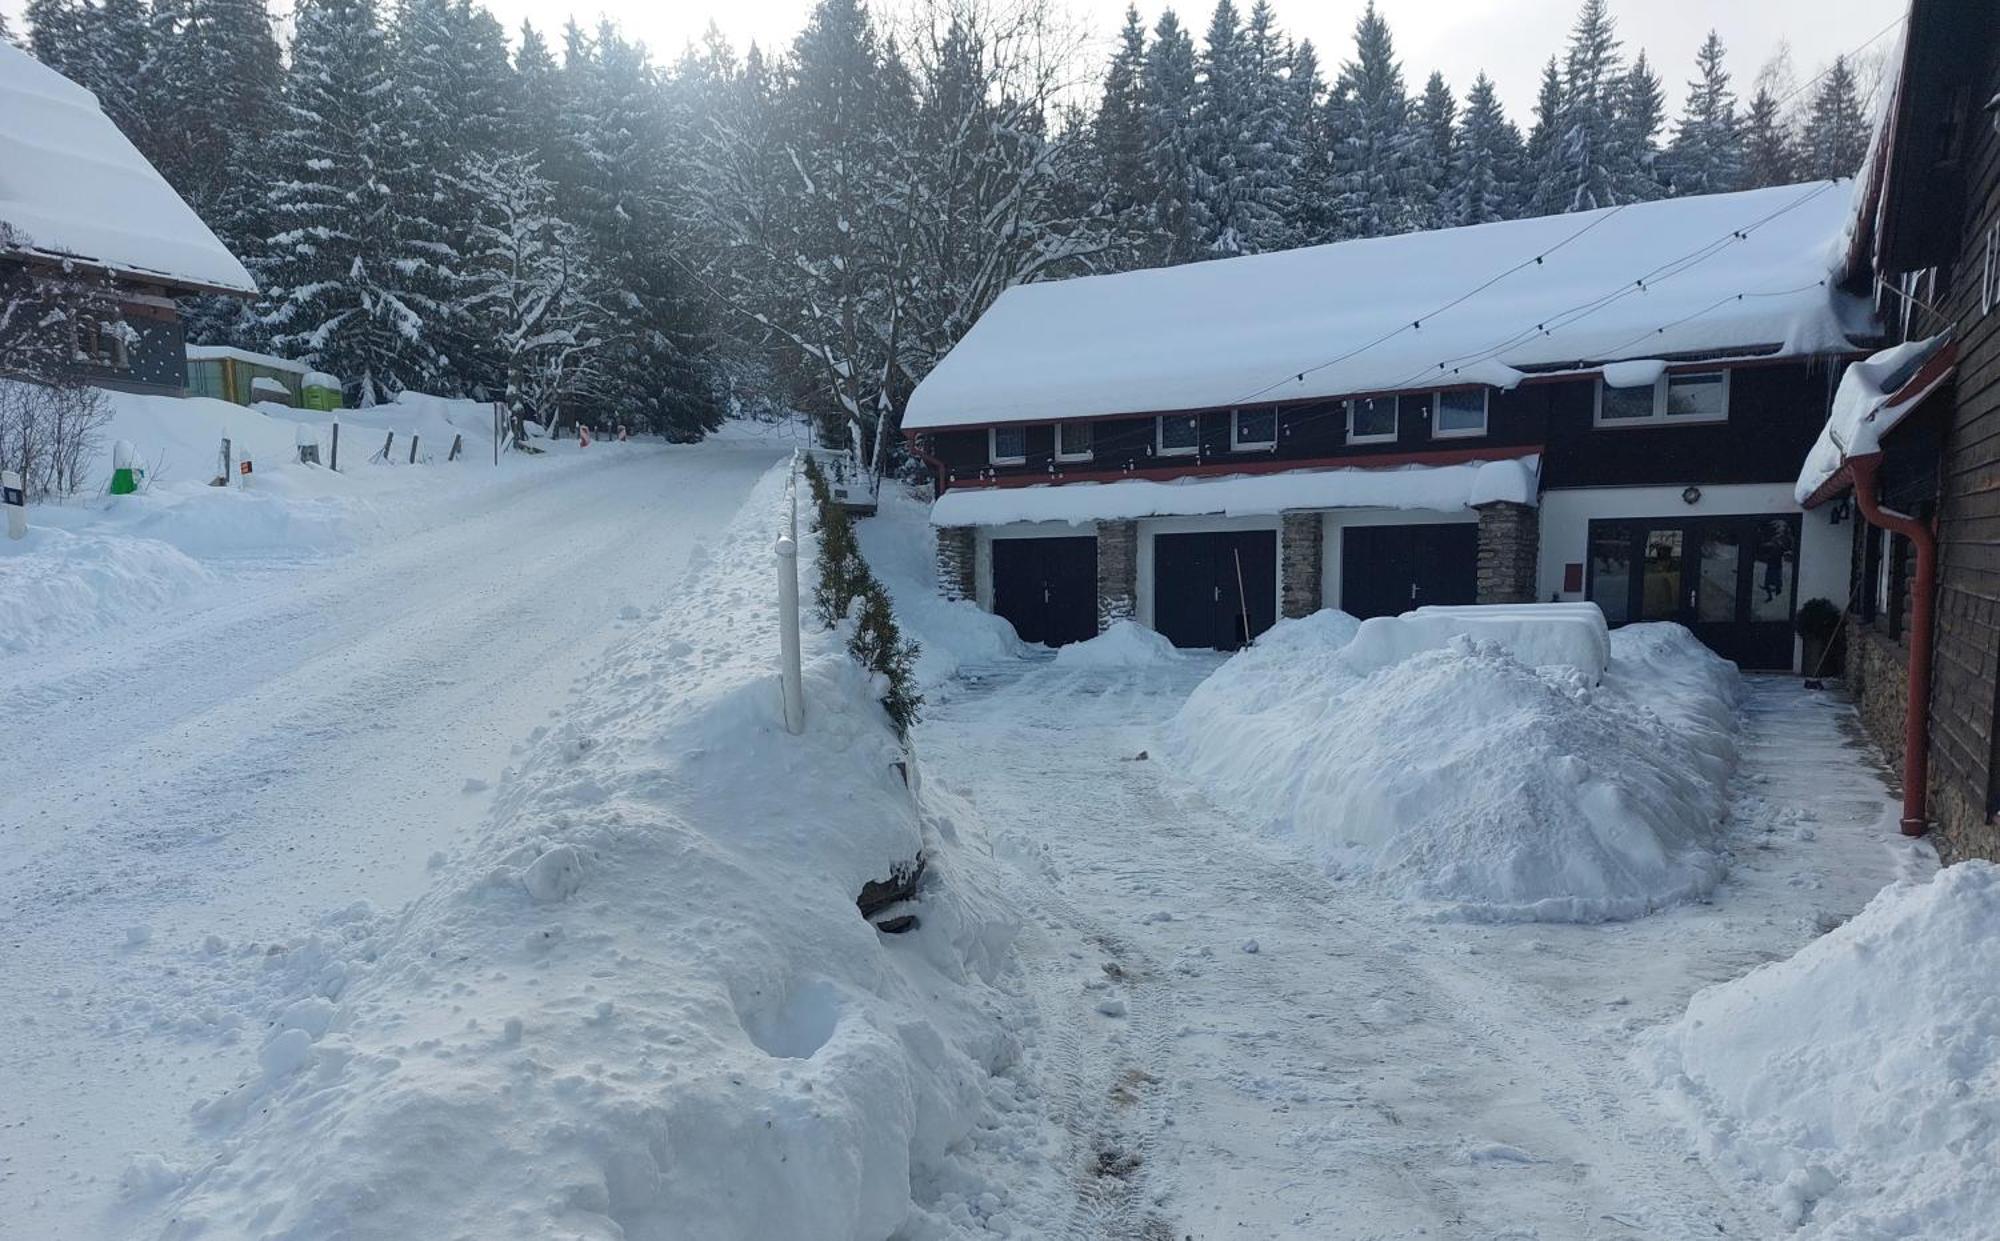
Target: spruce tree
[[1119, 130], [1437, 115], [1312, 179], [1484, 184], [1374, 144], [1836, 132], [111, 61], [1770, 153], [1635, 154], [1539, 156], [1170, 101], [1588, 162], [57, 34], [1243, 152], [1707, 153]]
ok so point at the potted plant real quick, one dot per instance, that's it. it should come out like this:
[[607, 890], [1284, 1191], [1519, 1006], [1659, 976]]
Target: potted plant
[[1818, 623]]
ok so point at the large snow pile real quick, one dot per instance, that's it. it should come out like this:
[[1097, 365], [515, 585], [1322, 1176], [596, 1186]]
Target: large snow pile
[[55, 584], [642, 1002], [1862, 412], [1126, 644], [1859, 1081], [901, 549], [1460, 774]]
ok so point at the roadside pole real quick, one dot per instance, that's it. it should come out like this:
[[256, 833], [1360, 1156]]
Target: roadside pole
[[15, 497]]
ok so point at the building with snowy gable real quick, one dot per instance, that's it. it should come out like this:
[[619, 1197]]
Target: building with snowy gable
[[1609, 405], [78, 201]]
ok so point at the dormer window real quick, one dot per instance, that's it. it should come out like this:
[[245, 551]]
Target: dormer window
[[1007, 445], [1177, 435], [1253, 430]]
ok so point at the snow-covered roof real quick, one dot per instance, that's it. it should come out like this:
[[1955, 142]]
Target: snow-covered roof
[[1441, 488], [210, 353], [72, 186], [1869, 404], [1714, 273]]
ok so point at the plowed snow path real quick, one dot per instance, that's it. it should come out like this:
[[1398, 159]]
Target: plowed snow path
[[1363, 1072], [297, 740]]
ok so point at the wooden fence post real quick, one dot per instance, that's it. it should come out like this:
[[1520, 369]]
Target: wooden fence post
[[336, 446], [413, 449]]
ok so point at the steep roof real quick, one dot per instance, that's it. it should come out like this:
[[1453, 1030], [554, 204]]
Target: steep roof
[[1745, 272], [73, 187]]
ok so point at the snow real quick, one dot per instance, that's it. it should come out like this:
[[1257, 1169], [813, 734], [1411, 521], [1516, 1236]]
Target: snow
[[1442, 488], [1446, 769], [1638, 373], [209, 353], [1540, 635], [1643, 281], [72, 186], [1857, 1084], [901, 549], [1126, 644], [1862, 413], [641, 999]]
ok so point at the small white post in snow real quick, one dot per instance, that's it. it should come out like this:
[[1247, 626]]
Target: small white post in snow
[[15, 497], [788, 634]]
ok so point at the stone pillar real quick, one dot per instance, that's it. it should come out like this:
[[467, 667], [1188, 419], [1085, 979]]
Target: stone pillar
[[1509, 540], [1301, 561], [1117, 572], [957, 561]]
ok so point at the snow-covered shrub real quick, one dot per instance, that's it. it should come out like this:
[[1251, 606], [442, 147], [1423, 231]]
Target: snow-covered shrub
[[1858, 1082], [846, 589]]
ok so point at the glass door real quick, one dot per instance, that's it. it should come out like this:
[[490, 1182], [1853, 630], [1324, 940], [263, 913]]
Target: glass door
[[1730, 580]]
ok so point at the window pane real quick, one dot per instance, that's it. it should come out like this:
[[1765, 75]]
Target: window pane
[[1074, 438], [1721, 557], [1625, 403], [1256, 426], [1695, 396], [1462, 411], [1611, 571], [1010, 442], [1371, 416], [1179, 431], [1660, 590], [1777, 552]]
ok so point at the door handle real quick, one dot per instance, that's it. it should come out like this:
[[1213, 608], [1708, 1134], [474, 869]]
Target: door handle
[[1216, 596], [1413, 592]]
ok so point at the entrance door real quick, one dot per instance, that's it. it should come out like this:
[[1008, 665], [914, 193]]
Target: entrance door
[[1388, 570], [1731, 580], [1047, 588], [1215, 589]]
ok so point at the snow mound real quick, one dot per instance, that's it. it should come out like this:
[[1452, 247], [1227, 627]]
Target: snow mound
[[642, 1002], [1462, 775], [62, 585], [1544, 635], [1859, 1081], [901, 549], [1126, 644]]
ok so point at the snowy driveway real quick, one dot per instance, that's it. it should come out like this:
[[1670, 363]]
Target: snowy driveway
[[1235, 1046], [182, 795]]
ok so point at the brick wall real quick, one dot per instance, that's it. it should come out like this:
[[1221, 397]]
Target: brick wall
[[1301, 557], [1508, 537], [957, 560], [1117, 572]]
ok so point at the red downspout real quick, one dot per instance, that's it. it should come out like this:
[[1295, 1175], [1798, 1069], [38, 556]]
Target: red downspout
[[1917, 712]]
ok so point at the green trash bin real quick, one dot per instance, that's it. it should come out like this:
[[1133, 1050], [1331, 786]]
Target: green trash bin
[[320, 391]]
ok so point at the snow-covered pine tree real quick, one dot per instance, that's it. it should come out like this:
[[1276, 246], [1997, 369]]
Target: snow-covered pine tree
[[1312, 182], [1836, 131], [1484, 183], [56, 34], [1437, 115], [1118, 131], [115, 44], [1588, 160], [1642, 109], [1170, 100], [1242, 152], [344, 287], [1270, 162], [1374, 144], [1541, 190], [1770, 152], [1707, 152]]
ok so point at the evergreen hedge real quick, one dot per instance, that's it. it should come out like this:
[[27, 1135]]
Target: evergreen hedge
[[846, 588]]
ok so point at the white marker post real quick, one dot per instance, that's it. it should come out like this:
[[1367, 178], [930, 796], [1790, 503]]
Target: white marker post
[[788, 634], [15, 496]]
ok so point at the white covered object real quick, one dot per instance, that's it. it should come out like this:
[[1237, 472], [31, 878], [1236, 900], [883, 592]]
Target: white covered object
[[1859, 1081], [210, 353], [1126, 644], [1639, 373], [1861, 413], [1588, 615], [1441, 488], [1271, 326], [72, 186], [265, 386]]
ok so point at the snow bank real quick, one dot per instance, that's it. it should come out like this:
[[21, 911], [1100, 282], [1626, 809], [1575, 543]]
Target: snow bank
[[1442, 488], [901, 549], [1126, 644], [1859, 1081], [1540, 635], [642, 1001], [54, 584], [1862, 413], [1460, 774]]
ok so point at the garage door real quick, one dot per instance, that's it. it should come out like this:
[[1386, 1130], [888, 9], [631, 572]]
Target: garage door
[[1047, 587], [1387, 570], [1215, 590]]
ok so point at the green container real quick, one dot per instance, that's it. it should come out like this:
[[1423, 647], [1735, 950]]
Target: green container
[[320, 391]]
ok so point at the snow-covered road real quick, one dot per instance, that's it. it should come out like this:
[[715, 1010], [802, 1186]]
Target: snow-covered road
[[215, 780], [1238, 1047]]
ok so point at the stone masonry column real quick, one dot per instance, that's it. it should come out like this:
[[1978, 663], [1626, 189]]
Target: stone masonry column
[[1301, 561], [957, 561], [1117, 572], [1509, 540]]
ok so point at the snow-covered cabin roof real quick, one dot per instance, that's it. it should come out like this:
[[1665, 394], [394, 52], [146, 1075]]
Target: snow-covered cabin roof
[[1874, 397], [73, 187], [211, 353], [1745, 272]]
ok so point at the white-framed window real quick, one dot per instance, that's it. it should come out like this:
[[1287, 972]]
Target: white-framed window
[[1253, 430], [1073, 441], [1006, 445], [1371, 420], [1177, 435], [1690, 396], [1459, 412]]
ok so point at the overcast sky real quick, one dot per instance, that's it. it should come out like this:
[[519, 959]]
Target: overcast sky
[[1509, 39]]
